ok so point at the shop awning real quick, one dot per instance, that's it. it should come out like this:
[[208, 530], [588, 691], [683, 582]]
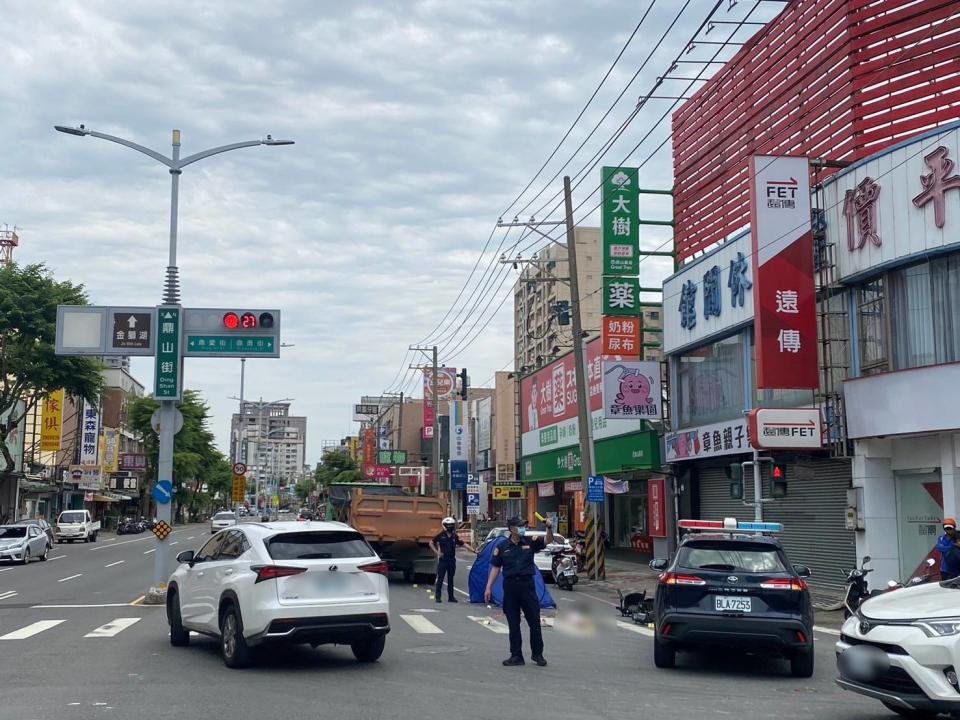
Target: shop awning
[[102, 498], [36, 486], [119, 497]]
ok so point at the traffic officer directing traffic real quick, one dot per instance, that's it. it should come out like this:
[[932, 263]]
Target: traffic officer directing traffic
[[515, 558], [445, 545]]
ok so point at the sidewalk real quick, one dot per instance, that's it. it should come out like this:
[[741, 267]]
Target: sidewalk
[[630, 573]]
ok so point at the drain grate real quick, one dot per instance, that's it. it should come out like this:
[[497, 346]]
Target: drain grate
[[437, 649]]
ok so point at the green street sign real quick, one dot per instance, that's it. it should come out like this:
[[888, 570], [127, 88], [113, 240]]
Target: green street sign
[[168, 367], [621, 296], [620, 218], [243, 345]]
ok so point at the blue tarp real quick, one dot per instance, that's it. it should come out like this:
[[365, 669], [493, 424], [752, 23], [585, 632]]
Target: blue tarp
[[481, 571]]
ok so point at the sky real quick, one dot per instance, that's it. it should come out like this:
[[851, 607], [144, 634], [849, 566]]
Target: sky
[[417, 125]]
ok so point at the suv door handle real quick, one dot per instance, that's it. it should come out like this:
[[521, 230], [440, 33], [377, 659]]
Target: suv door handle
[[228, 571], [200, 574]]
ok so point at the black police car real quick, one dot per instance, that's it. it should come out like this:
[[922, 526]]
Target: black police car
[[731, 585]]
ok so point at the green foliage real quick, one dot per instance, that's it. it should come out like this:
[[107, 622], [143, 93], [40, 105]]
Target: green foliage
[[305, 487], [29, 367], [196, 460], [337, 466]]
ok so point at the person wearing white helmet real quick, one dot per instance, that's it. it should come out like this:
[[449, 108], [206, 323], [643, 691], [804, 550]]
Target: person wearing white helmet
[[444, 545]]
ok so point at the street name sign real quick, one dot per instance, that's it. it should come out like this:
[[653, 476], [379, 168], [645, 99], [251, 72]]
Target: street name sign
[[168, 366]]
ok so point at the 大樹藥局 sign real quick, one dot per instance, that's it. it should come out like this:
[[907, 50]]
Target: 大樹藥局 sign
[[549, 405]]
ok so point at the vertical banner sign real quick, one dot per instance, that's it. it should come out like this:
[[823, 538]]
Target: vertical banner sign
[[657, 507], [369, 447], [785, 319], [111, 448], [90, 435], [620, 214], [52, 420], [168, 367], [621, 296], [458, 431]]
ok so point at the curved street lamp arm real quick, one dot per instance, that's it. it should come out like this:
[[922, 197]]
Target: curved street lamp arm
[[216, 151], [139, 148]]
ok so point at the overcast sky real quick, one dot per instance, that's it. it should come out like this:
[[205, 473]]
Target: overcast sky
[[416, 123]]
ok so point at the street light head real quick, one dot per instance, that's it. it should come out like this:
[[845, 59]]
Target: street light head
[[271, 141], [81, 131]]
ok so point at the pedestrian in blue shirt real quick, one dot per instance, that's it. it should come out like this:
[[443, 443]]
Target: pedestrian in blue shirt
[[949, 550]]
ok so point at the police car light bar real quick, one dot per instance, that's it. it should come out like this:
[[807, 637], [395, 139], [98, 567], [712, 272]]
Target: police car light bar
[[731, 525]]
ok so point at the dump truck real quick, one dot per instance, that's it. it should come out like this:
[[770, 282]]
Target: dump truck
[[398, 524]]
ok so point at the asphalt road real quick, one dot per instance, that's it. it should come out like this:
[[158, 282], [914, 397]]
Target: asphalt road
[[72, 646]]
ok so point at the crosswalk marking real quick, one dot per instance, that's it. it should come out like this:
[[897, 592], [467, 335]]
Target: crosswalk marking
[[490, 624], [7, 595], [421, 625], [632, 627], [113, 627], [828, 631], [31, 630]]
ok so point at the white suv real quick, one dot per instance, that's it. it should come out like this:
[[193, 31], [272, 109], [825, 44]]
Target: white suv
[[903, 649], [281, 582]]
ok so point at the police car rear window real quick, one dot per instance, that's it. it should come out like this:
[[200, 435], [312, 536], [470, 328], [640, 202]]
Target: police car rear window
[[730, 557]]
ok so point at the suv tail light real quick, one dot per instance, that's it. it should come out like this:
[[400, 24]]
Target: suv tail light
[[672, 578], [270, 572], [791, 584], [381, 568]]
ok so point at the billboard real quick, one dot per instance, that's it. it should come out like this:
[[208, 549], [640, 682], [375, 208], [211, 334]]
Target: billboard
[[620, 218], [548, 410], [51, 420], [632, 389], [785, 312], [459, 441], [90, 435]]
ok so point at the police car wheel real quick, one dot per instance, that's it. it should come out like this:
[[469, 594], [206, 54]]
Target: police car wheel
[[664, 655], [801, 664]]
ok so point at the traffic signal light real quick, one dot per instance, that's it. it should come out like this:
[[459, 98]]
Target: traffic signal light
[[563, 312], [247, 320], [778, 481], [463, 384], [734, 473]]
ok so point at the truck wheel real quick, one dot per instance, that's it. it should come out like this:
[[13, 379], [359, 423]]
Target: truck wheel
[[409, 575], [369, 650], [664, 655], [95, 533]]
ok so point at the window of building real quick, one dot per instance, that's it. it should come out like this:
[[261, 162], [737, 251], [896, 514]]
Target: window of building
[[654, 314], [871, 319], [710, 383]]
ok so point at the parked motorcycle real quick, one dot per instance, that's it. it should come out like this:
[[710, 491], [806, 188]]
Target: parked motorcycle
[[564, 567], [924, 577], [857, 590], [129, 526]]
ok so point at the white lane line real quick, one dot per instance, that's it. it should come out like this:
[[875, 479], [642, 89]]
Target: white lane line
[[7, 595], [58, 557], [421, 625], [150, 551], [191, 537], [828, 631], [490, 624], [638, 629], [127, 542], [70, 577], [115, 563], [5, 569], [114, 627], [31, 630], [175, 542], [102, 605]]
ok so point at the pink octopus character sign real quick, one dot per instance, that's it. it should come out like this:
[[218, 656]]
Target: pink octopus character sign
[[631, 389]]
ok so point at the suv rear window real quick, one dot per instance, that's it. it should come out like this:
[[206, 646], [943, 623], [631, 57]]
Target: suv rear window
[[730, 557], [318, 545]]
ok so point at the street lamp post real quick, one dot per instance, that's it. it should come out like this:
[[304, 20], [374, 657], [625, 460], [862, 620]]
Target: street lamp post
[[171, 296]]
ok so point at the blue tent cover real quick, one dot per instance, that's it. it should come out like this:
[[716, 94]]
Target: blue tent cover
[[481, 571]]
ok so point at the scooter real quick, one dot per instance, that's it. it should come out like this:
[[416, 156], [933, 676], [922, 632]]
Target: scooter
[[920, 579], [564, 568], [857, 591]]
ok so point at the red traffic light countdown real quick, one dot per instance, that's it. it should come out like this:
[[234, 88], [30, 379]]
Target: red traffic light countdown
[[231, 321], [247, 320]]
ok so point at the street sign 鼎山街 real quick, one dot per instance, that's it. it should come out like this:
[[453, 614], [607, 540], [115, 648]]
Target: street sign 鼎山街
[[621, 336], [508, 492], [785, 319], [620, 200], [786, 428], [168, 362]]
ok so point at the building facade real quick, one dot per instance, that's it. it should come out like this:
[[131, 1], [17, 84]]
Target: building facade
[[273, 442]]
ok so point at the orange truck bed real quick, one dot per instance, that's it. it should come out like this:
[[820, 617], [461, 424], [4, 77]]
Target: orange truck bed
[[393, 518]]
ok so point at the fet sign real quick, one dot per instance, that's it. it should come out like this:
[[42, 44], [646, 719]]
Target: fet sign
[[785, 319], [786, 428]]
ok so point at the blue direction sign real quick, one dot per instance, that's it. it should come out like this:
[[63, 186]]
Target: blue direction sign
[[458, 474], [163, 492], [595, 489]]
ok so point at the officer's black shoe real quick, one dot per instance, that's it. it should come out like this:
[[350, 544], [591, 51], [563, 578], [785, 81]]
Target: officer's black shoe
[[439, 599], [453, 599], [513, 660], [540, 660]]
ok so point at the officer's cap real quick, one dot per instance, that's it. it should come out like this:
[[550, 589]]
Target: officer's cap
[[516, 521]]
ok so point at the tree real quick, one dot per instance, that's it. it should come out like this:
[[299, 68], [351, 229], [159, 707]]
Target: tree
[[29, 367], [305, 487], [196, 460], [337, 466]]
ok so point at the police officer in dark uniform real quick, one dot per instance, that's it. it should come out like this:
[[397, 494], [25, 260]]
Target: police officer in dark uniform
[[445, 545], [514, 557]]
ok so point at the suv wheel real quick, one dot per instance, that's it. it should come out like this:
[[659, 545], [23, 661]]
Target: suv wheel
[[368, 650], [664, 655], [236, 654], [179, 636], [801, 664]]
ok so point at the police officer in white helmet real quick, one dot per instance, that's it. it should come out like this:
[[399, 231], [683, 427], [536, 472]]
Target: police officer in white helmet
[[444, 545]]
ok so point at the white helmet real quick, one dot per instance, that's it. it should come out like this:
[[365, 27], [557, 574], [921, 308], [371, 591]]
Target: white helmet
[[449, 522]]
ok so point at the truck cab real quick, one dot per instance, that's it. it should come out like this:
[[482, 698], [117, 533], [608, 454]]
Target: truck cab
[[73, 525]]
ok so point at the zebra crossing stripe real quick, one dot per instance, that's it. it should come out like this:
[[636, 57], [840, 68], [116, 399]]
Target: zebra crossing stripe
[[632, 627], [421, 625], [494, 626], [7, 595], [114, 627], [31, 630]]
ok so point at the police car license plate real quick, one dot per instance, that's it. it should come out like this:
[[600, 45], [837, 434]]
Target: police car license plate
[[724, 603]]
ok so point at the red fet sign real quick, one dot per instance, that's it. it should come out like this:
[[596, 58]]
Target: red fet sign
[[657, 507], [785, 315]]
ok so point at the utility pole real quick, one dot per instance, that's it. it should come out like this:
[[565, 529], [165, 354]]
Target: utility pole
[[435, 400]]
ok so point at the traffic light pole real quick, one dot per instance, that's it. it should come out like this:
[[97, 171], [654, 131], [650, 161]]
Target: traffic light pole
[[757, 488]]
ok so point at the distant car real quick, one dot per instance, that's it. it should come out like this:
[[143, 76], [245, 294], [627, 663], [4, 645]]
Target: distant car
[[23, 542], [543, 559], [222, 520], [281, 583], [304, 514], [42, 524], [730, 585]]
